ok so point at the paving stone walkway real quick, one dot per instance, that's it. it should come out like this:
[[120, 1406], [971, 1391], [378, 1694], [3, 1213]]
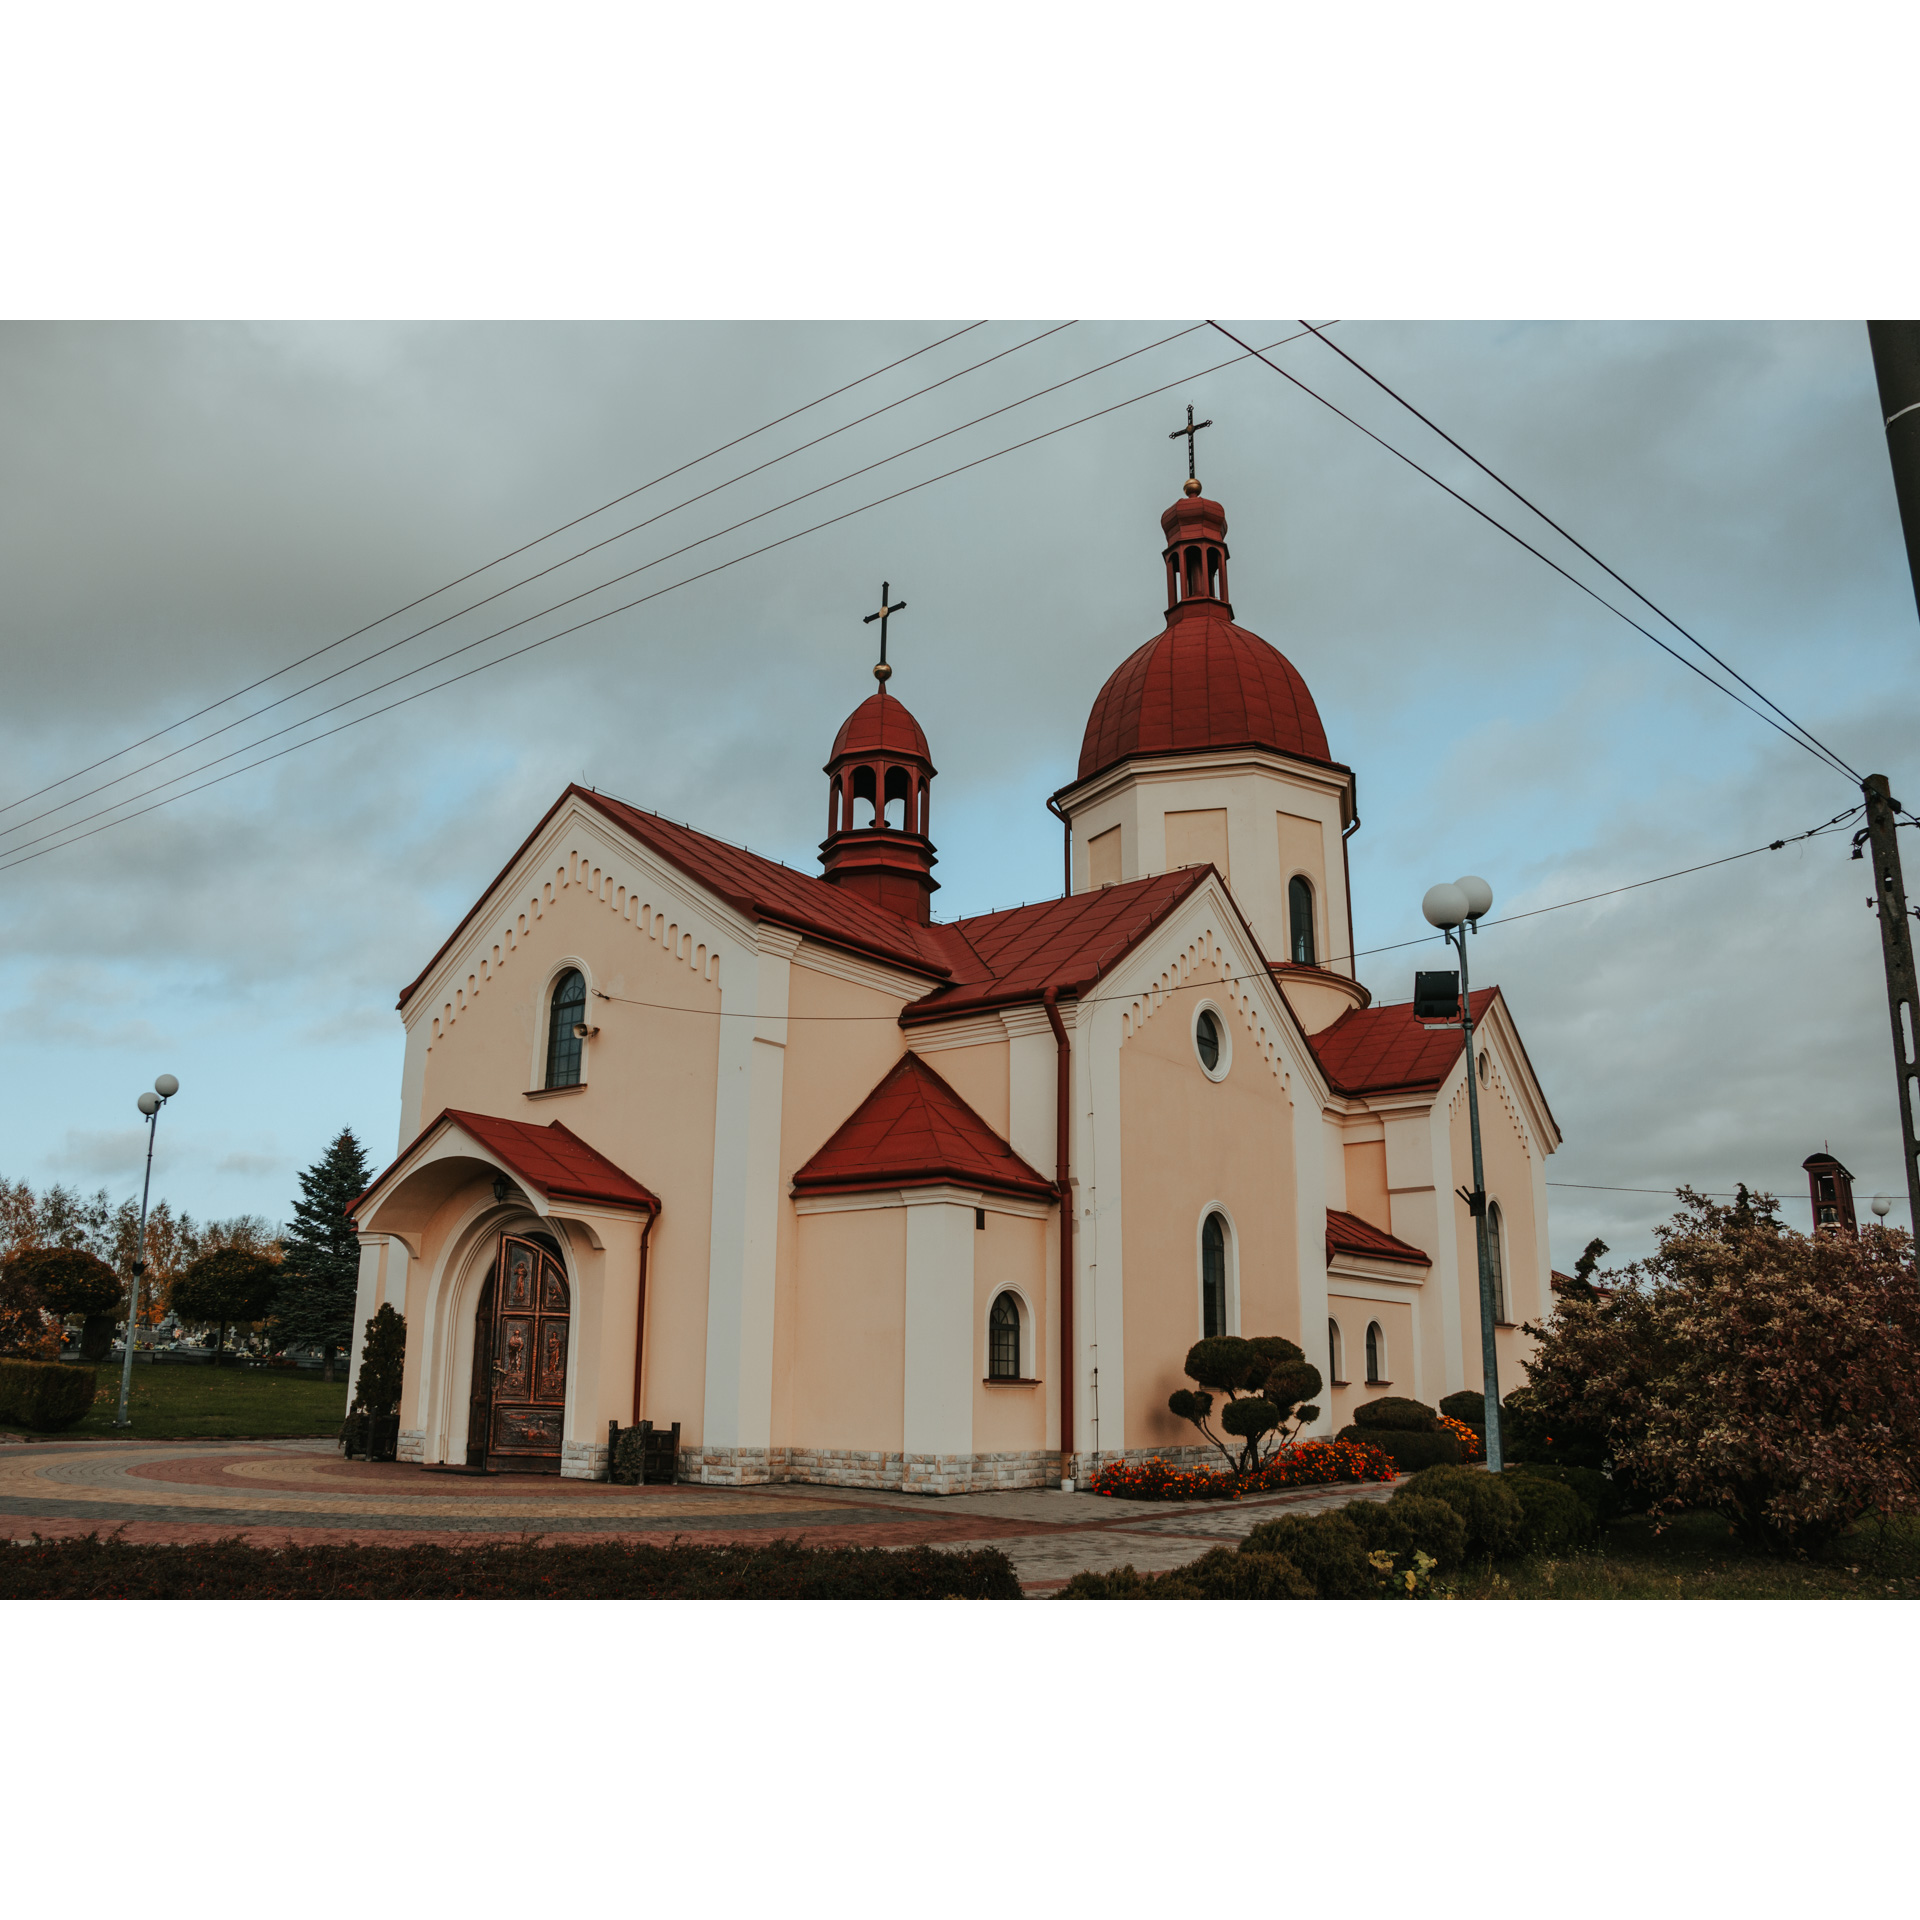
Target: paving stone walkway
[[283, 1492]]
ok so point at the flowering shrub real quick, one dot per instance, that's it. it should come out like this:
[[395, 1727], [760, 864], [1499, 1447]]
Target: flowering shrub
[[1469, 1437], [1310, 1463], [1749, 1370]]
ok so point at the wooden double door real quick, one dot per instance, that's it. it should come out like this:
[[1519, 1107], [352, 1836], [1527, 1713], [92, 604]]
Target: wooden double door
[[518, 1400]]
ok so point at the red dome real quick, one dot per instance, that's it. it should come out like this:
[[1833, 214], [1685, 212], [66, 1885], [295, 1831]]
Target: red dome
[[1203, 683], [880, 724]]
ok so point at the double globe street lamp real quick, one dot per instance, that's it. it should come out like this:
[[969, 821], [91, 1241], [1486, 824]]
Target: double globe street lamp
[[149, 1104], [1444, 999]]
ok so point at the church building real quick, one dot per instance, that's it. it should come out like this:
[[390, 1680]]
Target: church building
[[853, 1195]]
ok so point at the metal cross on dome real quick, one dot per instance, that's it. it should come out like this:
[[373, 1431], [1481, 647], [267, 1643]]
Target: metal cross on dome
[[1190, 429], [882, 672]]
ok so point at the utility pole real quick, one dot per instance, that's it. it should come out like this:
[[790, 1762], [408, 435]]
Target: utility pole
[[1896, 948], [1896, 365]]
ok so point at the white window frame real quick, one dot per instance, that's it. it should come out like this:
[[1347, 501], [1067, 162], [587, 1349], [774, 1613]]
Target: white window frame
[[1200, 1267], [543, 1023], [1225, 1064], [1336, 1353], [1384, 1376], [1029, 1351]]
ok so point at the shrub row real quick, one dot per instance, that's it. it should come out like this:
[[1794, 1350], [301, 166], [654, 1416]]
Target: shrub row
[[1312, 1463], [96, 1569], [1442, 1520], [44, 1394], [1408, 1451]]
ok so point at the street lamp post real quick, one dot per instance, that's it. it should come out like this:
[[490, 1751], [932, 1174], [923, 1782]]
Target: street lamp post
[[150, 1104], [1456, 911]]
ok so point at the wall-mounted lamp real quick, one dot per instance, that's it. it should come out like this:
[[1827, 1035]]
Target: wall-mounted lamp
[[500, 1189]]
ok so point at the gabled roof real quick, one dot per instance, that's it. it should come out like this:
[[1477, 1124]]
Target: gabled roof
[[1389, 1050], [552, 1161], [1000, 959], [913, 1130], [1348, 1233], [753, 885]]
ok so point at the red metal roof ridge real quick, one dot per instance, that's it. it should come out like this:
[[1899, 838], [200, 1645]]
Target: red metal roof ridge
[[1228, 746], [1483, 999]]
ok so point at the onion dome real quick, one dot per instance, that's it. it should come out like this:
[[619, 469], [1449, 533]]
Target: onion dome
[[1204, 683]]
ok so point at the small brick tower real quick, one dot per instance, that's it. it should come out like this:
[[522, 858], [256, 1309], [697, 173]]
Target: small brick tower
[[1831, 1188]]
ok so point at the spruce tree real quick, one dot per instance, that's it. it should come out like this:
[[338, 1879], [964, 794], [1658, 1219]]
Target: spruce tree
[[321, 1268]]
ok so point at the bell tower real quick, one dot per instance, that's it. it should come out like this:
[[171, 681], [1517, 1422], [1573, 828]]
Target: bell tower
[[1830, 1187]]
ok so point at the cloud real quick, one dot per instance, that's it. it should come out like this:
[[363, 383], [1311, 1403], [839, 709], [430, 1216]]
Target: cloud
[[187, 508], [252, 1165], [109, 1151]]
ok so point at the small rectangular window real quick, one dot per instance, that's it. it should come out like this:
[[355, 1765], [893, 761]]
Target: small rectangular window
[[979, 1219]]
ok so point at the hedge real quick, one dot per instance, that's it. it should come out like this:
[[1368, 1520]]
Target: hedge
[[1326, 1547], [96, 1569], [44, 1394], [1600, 1493], [1396, 1413], [1496, 1521], [1552, 1516], [1409, 1452], [1219, 1575], [1466, 1405], [1410, 1523]]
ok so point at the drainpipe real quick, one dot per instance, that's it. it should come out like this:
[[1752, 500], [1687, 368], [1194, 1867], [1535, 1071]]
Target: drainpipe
[[1066, 849], [1063, 1116], [640, 1320]]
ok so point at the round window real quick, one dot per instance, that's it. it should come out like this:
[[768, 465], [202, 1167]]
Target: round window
[[1206, 1037]]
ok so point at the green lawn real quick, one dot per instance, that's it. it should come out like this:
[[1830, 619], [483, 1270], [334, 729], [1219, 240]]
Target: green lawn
[[196, 1403], [1698, 1558]]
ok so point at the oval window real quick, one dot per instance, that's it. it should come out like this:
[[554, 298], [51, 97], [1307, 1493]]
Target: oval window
[[1206, 1037]]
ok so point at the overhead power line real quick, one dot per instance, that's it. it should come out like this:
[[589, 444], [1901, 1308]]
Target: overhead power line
[[1825, 758], [498, 560], [1610, 572], [21, 856], [432, 626]]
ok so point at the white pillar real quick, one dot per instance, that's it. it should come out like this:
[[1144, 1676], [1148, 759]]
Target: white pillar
[[937, 1426]]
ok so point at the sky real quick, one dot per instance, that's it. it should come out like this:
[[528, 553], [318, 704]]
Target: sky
[[191, 507]]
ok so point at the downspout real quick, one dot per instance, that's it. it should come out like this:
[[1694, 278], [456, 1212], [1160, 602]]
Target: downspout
[[1346, 874], [1063, 1115], [1066, 849], [640, 1318]]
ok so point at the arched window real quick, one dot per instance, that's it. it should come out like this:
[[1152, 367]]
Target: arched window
[[1300, 920], [1003, 1339], [569, 1010], [1336, 1355], [1376, 1356], [1213, 1276], [1497, 1264]]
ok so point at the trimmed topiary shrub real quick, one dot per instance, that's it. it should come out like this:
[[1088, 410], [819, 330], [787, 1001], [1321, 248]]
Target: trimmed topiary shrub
[[1552, 1516], [1490, 1508], [1219, 1575], [1603, 1497], [1268, 1382], [43, 1394], [1395, 1414], [1410, 1523], [1325, 1547], [1409, 1452], [1466, 1405]]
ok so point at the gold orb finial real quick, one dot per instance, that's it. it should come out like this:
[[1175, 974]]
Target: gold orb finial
[[1191, 488], [883, 673]]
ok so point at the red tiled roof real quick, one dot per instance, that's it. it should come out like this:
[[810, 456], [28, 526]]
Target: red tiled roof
[[1387, 1050], [1348, 1233], [913, 1130], [760, 888], [880, 724], [1000, 959], [1203, 683], [551, 1160]]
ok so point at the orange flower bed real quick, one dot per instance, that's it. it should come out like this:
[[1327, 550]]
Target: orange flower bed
[[1470, 1447], [1313, 1463]]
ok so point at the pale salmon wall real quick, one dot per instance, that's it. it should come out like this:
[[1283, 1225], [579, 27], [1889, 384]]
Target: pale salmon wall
[[648, 1101], [1366, 1162], [842, 1043], [1013, 1251], [1197, 837], [1510, 1183], [1396, 1322], [848, 1343], [1187, 1140], [979, 1076]]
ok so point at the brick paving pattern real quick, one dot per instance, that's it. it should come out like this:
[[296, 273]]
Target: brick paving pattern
[[278, 1493]]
